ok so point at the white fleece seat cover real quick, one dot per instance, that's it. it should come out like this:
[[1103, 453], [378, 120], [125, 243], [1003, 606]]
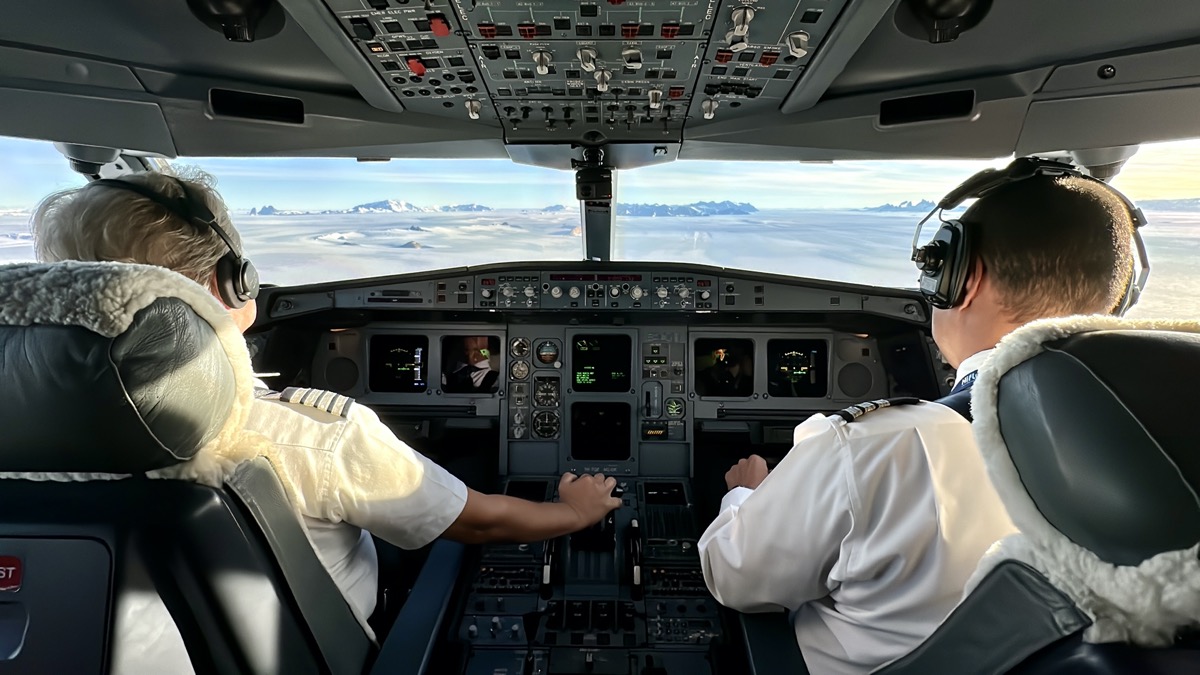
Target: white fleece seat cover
[[1143, 605], [104, 297]]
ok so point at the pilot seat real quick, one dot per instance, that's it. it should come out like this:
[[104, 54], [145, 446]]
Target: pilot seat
[[1086, 427], [142, 530]]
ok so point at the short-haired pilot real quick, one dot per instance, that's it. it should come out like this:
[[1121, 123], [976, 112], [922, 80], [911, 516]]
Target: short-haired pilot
[[869, 528]]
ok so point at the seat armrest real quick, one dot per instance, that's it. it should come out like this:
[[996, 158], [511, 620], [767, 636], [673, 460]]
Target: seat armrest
[[409, 645], [771, 645]]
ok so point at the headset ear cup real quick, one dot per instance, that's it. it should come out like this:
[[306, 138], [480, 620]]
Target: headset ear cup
[[228, 273], [958, 262]]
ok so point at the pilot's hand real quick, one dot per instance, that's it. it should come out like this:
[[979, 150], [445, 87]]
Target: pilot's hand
[[589, 496], [749, 472]]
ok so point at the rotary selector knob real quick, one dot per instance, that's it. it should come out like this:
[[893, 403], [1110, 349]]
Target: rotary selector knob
[[684, 291], [541, 60], [485, 293], [662, 292], [530, 291], [704, 295], [518, 418], [636, 292], [507, 291], [587, 59], [573, 292], [603, 77], [556, 292], [614, 291]]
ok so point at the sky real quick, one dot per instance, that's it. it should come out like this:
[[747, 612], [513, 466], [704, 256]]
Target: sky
[[31, 169]]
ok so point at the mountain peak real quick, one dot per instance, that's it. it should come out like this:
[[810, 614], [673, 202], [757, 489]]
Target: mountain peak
[[905, 206]]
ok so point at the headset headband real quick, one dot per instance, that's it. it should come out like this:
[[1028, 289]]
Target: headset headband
[[985, 182]]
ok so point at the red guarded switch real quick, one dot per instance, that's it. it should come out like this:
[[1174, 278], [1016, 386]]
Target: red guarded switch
[[670, 30], [528, 31], [769, 58], [439, 25], [487, 30], [675, 92], [415, 66], [630, 30], [724, 55]]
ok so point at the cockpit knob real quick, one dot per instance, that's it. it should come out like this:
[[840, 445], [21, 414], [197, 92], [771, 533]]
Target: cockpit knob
[[573, 292], [709, 108], [655, 99], [530, 291], [797, 44], [485, 293], [704, 295], [556, 292], [742, 16], [473, 108], [614, 291], [508, 291], [587, 59], [602, 79], [662, 292], [684, 291], [542, 59], [472, 631], [636, 292], [632, 57]]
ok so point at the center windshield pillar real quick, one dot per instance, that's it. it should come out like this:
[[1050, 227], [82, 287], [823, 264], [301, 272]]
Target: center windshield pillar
[[594, 184]]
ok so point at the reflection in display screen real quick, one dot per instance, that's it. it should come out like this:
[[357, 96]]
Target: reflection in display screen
[[724, 367], [600, 431], [470, 364], [796, 368], [398, 363], [601, 362]]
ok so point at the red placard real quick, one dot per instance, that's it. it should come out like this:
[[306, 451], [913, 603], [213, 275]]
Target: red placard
[[10, 573]]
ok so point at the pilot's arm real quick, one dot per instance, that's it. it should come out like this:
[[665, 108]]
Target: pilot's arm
[[777, 545]]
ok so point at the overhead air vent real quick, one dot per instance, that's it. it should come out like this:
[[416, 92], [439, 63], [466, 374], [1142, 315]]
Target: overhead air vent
[[251, 106], [927, 108]]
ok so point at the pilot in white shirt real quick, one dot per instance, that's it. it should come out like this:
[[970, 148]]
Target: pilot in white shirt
[[352, 477], [867, 531]]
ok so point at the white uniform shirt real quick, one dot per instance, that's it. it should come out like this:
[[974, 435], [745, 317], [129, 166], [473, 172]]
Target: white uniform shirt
[[866, 530], [354, 478]]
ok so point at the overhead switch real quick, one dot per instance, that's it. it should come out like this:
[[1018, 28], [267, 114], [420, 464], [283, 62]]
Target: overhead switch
[[439, 25], [587, 59], [742, 16], [632, 57], [709, 108], [541, 60], [797, 44], [655, 99], [362, 29], [473, 108], [415, 65], [602, 79]]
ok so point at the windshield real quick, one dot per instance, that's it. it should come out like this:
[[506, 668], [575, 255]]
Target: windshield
[[317, 220]]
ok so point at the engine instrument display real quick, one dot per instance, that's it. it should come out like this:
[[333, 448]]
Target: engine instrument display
[[600, 431], [724, 367], [600, 363], [398, 363], [797, 368], [470, 364]]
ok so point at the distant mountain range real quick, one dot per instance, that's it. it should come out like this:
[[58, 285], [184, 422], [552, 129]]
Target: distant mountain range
[[725, 208], [924, 206]]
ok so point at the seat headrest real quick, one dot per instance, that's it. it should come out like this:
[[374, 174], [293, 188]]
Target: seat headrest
[[113, 368], [1085, 428]]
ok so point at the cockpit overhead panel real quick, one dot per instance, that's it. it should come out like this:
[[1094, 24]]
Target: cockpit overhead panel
[[589, 72]]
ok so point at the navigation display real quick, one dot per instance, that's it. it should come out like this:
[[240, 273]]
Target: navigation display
[[398, 363], [470, 364], [797, 368], [724, 367], [601, 362]]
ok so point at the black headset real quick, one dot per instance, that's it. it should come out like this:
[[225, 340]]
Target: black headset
[[945, 261], [237, 280]]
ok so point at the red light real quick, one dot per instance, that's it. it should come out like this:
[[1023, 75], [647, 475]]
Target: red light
[[528, 31], [724, 55], [630, 30], [415, 66], [439, 26], [616, 2], [487, 30], [670, 31], [769, 58], [675, 92]]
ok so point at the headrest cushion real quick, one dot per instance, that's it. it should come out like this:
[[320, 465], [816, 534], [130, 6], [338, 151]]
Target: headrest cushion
[[110, 368], [1085, 428]]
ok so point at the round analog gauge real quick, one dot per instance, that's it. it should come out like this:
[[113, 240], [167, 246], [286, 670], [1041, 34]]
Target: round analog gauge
[[519, 370], [545, 394], [675, 407], [547, 352], [519, 347], [545, 424]]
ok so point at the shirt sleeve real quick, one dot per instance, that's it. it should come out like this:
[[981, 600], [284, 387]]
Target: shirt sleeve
[[774, 547], [377, 482]]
